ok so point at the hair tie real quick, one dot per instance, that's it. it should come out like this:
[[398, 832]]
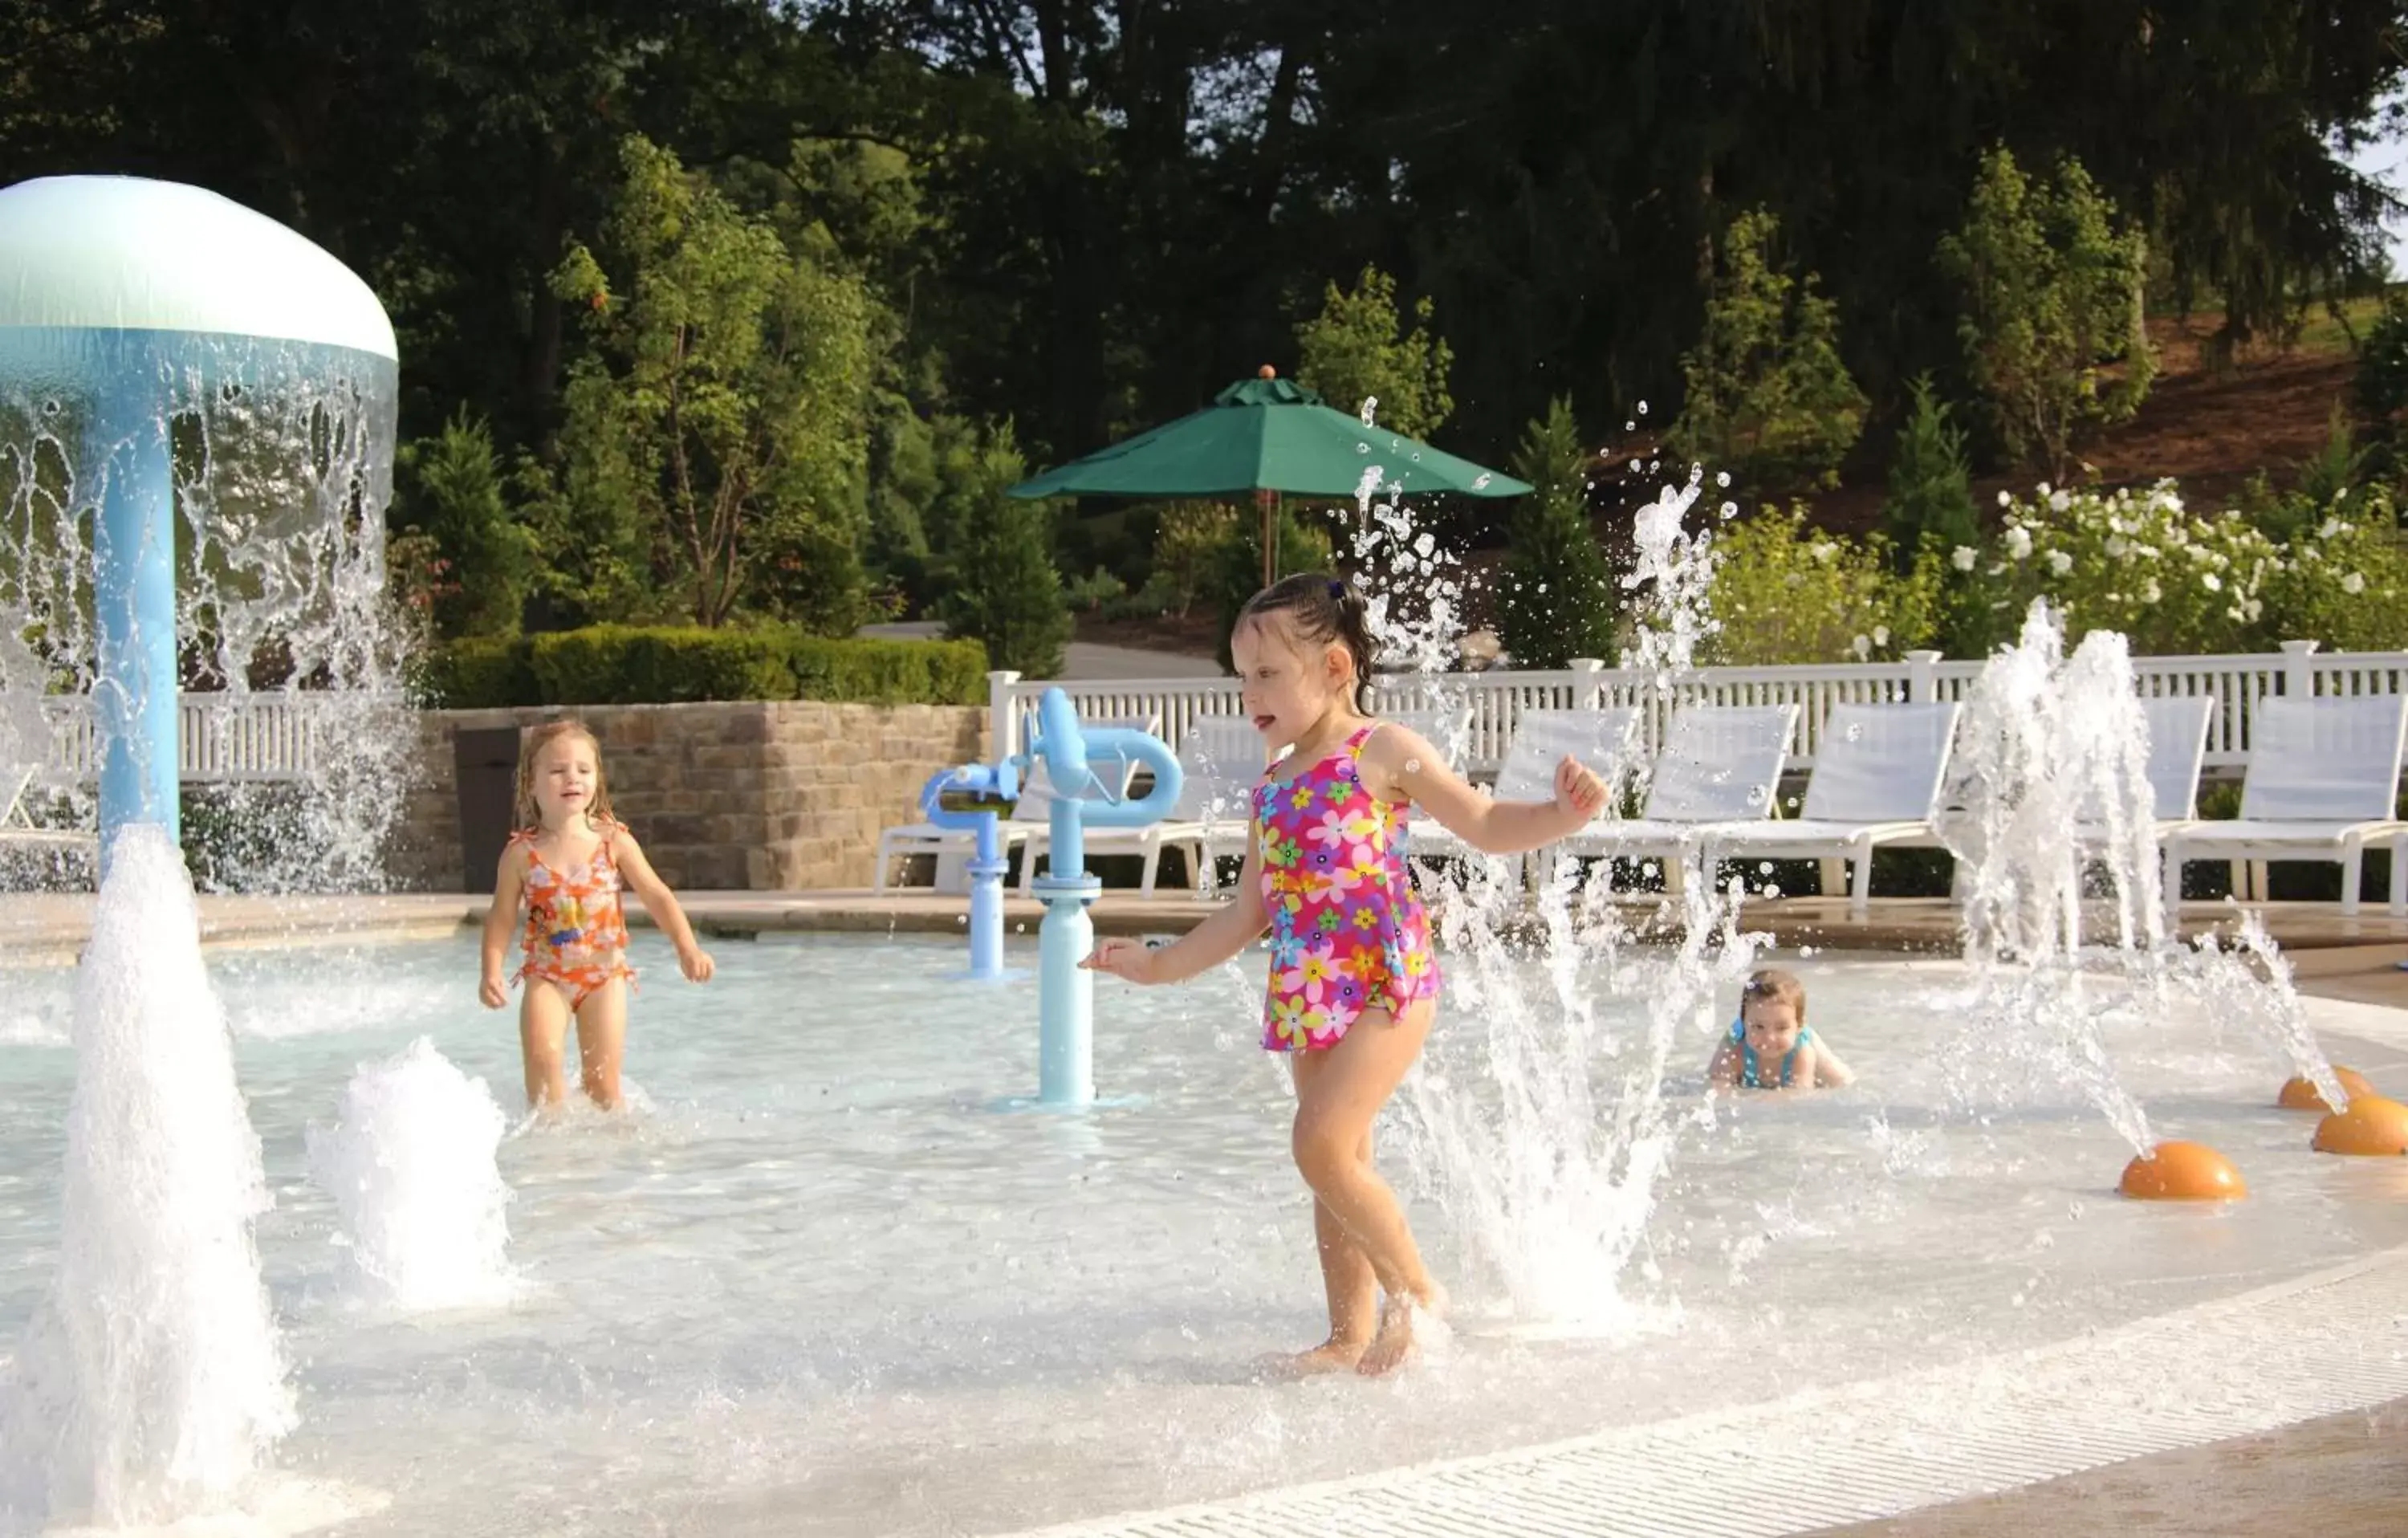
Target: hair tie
[[1337, 590]]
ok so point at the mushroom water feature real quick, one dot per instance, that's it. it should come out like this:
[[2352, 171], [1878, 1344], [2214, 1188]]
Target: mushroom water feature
[[196, 425]]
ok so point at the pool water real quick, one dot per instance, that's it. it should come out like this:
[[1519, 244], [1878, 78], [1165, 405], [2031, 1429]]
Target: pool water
[[821, 1280]]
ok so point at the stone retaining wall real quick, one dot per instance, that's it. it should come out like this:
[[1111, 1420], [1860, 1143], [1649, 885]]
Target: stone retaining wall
[[758, 795]]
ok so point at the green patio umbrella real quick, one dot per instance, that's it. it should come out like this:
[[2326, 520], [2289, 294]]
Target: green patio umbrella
[[1268, 436]]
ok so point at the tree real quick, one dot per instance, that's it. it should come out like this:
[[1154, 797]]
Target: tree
[[1003, 588], [2051, 296], [1765, 395], [1356, 350], [451, 494], [716, 438], [1558, 598], [1930, 483]]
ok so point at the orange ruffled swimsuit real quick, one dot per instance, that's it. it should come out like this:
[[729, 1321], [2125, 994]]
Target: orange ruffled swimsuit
[[576, 929]]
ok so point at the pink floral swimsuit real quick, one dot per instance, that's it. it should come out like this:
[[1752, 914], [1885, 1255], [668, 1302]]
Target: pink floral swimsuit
[[1348, 933]]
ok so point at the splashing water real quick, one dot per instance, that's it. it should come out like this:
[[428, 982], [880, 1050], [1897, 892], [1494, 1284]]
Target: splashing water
[[1672, 581], [1543, 1127], [2050, 772], [283, 466], [152, 1380], [410, 1166]]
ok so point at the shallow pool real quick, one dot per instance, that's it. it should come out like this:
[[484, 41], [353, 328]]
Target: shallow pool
[[823, 1284]]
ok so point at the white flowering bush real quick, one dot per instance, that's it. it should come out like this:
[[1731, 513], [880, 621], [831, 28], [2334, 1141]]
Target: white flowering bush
[[2139, 562]]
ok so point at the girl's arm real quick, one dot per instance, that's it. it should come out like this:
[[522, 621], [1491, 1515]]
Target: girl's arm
[[509, 875], [1399, 765], [1230, 929], [1828, 1068], [661, 903], [1721, 1071]]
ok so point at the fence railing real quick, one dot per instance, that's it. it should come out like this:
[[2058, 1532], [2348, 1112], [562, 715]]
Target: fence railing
[[221, 738], [1495, 701]]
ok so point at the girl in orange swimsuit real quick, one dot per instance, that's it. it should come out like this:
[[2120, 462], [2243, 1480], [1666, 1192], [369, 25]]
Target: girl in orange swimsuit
[[566, 866], [1353, 983]]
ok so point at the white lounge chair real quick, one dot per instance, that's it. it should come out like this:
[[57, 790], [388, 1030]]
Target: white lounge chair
[[1028, 815], [18, 829], [2322, 783], [1878, 770], [1719, 764], [1220, 759], [1600, 738]]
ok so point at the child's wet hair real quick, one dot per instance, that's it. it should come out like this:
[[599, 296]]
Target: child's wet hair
[[1319, 608], [1772, 982], [531, 746]]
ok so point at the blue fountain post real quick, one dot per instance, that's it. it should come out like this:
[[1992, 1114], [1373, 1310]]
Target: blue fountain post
[[987, 863], [135, 695], [1065, 994]]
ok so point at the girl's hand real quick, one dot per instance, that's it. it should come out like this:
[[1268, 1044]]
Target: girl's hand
[[1579, 790], [493, 990], [695, 963], [1130, 959]]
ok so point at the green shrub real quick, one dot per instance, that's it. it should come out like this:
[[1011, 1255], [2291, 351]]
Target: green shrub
[[2379, 391], [1784, 592], [2051, 296], [1930, 483], [1766, 397], [479, 672], [1559, 600], [1003, 588], [889, 672], [631, 664]]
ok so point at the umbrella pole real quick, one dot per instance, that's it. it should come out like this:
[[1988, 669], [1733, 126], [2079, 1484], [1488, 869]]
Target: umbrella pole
[[1269, 502]]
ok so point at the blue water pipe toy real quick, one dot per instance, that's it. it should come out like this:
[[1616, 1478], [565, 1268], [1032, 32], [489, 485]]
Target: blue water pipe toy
[[1001, 782], [1065, 994]]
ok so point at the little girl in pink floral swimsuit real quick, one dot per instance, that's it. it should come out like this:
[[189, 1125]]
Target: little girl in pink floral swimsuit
[[1353, 983], [1348, 932]]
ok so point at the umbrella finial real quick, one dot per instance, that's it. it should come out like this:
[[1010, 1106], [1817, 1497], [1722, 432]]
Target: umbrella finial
[[1267, 372]]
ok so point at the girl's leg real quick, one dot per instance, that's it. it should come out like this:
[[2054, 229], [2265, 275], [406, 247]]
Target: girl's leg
[[543, 1031], [602, 1040], [1336, 1105], [1347, 1277]]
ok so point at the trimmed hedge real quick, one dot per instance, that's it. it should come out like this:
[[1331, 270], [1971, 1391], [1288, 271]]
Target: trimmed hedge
[[634, 665]]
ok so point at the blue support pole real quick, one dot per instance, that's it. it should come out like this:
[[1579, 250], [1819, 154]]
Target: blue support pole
[[134, 600], [986, 866], [1066, 993]]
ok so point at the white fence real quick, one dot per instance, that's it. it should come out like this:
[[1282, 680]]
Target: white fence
[[1496, 700], [222, 738]]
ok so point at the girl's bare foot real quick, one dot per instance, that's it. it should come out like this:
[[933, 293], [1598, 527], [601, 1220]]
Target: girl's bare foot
[[1330, 1356], [1407, 1324]]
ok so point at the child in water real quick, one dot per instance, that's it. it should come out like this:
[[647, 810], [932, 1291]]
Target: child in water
[[1768, 1046], [1353, 980], [567, 863]]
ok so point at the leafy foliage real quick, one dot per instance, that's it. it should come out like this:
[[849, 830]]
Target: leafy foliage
[[1003, 589], [1930, 481], [2052, 294], [1768, 399], [1788, 594], [715, 441], [1558, 598], [477, 559], [1357, 350], [635, 665]]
